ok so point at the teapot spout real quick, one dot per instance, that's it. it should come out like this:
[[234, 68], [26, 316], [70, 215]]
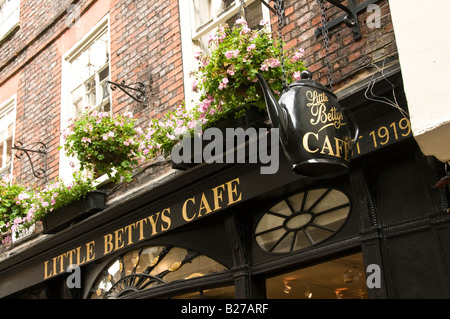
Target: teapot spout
[[277, 114]]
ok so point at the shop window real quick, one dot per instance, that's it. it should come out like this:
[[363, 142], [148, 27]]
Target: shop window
[[153, 266], [342, 278], [203, 18], [85, 74], [7, 121], [302, 220], [9, 16]]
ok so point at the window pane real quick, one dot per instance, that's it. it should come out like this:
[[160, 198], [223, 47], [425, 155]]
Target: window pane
[[342, 278]]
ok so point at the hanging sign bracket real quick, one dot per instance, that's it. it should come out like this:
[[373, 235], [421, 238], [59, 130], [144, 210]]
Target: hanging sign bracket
[[350, 18]]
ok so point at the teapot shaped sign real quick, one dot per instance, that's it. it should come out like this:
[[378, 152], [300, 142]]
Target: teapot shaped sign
[[314, 131]]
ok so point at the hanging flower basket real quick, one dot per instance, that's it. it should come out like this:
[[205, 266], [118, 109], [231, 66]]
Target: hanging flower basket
[[65, 216]]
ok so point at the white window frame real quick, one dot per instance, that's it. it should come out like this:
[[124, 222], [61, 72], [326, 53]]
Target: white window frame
[[8, 24], [190, 34], [8, 106], [66, 103]]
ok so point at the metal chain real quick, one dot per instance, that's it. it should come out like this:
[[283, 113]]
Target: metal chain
[[247, 13], [279, 7], [326, 41]]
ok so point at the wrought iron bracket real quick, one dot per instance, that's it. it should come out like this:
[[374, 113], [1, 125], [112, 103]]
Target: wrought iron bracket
[[274, 10], [40, 149], [139, 89], [350, 18]]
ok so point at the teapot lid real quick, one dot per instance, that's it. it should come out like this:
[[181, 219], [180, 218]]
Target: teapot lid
[[306, 80]]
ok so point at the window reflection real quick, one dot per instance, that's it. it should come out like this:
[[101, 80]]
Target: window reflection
[[151, 266]]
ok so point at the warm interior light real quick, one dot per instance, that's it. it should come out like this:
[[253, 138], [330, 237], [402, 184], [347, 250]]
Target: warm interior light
[[308, 294], [287, 288]]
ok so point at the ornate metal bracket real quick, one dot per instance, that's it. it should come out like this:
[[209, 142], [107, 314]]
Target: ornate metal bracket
[[139, 88], [40, 149], [350, 18]]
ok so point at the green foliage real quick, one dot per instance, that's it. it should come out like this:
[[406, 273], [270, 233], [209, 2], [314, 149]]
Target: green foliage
[[227, 82], [104, 144], [20, 208]]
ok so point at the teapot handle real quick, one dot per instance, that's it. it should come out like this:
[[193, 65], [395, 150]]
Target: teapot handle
[[355, 124]]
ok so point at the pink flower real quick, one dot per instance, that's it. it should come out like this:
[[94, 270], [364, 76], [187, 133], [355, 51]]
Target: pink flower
[[251, 47], [298, 55], [23, 196], [195, 86], [296, 75], [86, 140], [245, 30], [231, 70], [223, 84], [263, 22], [241, 21], [232, 53]]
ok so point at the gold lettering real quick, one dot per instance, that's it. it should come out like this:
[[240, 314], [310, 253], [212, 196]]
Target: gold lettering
[[339, 143], [108, 244], [233, 190], [80, 262], [327, 146], [61, 263], [141, 228], [166, 219], [204, 205], [153, 222], [217, 196], [46, 274], [70, 253], [306, 144], [129, 231], [118, 241], [184, 212], [90, 255]]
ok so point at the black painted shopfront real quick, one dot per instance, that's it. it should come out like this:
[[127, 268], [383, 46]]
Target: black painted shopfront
[[226, 231]]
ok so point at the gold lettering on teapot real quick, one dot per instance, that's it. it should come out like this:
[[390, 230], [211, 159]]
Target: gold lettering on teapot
[[320, 114]]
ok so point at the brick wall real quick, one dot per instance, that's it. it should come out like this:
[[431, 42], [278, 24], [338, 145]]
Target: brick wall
[[145, 47], [349, 59]]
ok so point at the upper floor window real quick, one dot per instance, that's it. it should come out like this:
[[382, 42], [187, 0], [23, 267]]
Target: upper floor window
[[9, 15], [85, 72], [203, 19], [88, 73], [7, 122]]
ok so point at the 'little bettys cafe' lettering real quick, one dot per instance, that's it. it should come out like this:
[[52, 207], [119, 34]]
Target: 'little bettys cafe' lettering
[[180, 213]]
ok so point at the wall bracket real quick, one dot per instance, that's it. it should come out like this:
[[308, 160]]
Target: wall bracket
[[139, 89], [350, 18], [40, 149]]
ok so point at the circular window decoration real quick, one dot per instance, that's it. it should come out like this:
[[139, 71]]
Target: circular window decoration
[[302, 220]]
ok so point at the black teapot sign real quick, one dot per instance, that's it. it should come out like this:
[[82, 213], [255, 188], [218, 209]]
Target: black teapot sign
[[314, 131]]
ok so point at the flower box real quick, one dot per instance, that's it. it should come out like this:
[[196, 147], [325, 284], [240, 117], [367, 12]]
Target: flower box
[[65, 216]]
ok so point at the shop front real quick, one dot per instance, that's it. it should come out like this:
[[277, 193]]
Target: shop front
[[225, 231]]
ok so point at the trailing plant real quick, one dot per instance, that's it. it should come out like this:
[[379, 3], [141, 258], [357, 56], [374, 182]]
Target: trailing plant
[[20, 208], [15, 202]]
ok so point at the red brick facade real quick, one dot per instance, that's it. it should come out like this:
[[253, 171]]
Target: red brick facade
[[146, 47]]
